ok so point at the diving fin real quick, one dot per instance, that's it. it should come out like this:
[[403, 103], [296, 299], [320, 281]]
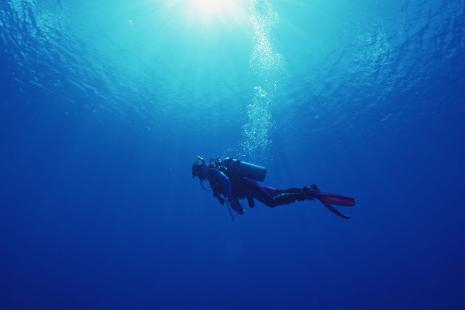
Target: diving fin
[[334, 210], [337, 200], [329, 199], [333, 198]]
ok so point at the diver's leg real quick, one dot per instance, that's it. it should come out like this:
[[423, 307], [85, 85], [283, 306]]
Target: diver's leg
[[273, 197], [263, 194], [276, 197], [254, 191], [276, 191]]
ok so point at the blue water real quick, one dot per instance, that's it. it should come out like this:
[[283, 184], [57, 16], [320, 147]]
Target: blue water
[[105, 104]]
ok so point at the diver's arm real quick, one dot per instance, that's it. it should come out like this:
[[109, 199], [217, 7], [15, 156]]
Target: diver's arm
[[220, 182], [216, 176]]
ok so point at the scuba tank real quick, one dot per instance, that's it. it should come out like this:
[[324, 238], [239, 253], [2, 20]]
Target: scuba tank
[[238, 168]]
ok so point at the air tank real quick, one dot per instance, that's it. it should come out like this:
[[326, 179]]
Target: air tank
[[241, 168]]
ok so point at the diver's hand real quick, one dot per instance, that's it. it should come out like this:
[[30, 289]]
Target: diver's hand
[[235, 204], [219, 197]]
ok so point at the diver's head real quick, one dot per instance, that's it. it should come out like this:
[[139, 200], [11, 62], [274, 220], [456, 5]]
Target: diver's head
[[199, 168]]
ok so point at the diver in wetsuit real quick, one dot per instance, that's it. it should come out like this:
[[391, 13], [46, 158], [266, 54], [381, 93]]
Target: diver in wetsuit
[[232, 179]]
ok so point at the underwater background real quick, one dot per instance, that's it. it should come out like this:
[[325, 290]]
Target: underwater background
[[105, 104]]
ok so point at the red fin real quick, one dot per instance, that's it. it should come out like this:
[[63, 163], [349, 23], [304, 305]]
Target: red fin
[[337, 200], [334, 210]]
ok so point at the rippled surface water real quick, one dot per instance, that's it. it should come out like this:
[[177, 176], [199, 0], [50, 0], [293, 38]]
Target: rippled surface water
[[347, 58]]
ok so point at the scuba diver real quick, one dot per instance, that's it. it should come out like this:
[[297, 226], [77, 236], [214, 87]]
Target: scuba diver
[[232, 179]]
